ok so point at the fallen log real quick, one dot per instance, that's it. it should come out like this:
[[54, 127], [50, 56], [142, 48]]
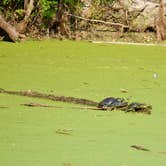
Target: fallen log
[[30, 93], [108, 104]]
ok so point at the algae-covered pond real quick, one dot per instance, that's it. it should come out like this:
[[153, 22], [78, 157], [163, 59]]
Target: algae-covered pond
[[75, 137]]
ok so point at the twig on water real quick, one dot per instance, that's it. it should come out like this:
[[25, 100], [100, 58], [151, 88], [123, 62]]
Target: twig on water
[[139, 148], [53, 106]]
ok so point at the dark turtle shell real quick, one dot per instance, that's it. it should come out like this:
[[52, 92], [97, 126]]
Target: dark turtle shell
[[112, 103]]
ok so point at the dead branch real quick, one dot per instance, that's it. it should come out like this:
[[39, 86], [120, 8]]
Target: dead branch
[[52, 97], [63, 131], [99, 21], [37, 105], [59, 107], [139, 148]]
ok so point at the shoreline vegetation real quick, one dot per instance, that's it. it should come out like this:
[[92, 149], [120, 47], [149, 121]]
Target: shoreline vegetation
[[83, 20]]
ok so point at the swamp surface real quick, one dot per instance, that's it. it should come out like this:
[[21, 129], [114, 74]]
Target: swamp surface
[[75, 137]]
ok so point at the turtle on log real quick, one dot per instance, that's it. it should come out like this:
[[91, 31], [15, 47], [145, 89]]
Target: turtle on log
[[109, 103], [112, 103]]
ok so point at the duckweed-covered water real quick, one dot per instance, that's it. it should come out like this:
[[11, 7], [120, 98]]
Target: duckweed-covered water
[[29, 136]]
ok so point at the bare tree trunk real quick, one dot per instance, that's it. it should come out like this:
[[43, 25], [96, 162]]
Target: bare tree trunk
[[10, 30], [14, 33], [161, 22], [28, 7], [62, 18]]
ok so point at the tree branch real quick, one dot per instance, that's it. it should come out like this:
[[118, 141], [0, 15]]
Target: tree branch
[[99, 21], [28, 7]]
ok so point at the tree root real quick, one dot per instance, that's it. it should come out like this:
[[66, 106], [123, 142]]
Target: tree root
[[13, 34]]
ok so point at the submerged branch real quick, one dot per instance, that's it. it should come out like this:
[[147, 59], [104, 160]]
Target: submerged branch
[[35, 94], [139, 148], [61, 107]]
